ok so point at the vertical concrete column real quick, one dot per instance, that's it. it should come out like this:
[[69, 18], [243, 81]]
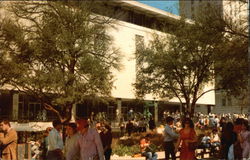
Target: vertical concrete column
[[156, 111], [15, 101], [73, 113], [119, 110]]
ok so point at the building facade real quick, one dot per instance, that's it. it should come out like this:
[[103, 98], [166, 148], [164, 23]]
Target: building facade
[[137, 24]]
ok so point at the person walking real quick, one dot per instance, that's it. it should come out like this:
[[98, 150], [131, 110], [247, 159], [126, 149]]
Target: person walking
[[187, 138], [106, 137], [55, 142], [88, 144], [71, 139], [244, 137], [228, 138], [151, 124], [169, 137], [8, 141]]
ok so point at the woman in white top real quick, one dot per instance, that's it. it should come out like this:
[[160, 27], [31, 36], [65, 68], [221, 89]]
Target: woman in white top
[[244, 137]]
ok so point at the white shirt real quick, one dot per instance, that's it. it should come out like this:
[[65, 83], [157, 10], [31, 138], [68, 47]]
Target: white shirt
[[89, 145], [55, 140]]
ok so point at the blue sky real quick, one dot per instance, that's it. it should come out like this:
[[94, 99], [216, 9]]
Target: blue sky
[[166, 5]]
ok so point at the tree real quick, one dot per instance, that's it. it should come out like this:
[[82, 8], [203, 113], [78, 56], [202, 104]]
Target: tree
[[231, 63], [179, 65], [213, 46], [59, 52]]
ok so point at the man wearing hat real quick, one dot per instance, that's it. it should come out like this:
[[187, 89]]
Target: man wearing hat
[[88, 144]]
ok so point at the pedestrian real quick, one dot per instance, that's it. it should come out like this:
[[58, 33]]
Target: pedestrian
[[129, 127], [9, 141], [88, 144], [169, 137], [122, 128], [245, 140], [1, 147], [151, 124], [44, 143], [228, 139], [147, 149], [55, 142], [106, 137], [98, 126], [187, 139], [237, 146], [71, 139]]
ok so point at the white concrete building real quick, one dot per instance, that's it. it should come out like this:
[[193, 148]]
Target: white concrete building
[[137, 24]]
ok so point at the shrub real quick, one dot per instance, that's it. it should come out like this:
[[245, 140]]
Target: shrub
[[122, 150]]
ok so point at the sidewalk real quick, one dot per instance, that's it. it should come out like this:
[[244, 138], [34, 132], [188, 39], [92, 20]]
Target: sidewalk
[[161, 156]]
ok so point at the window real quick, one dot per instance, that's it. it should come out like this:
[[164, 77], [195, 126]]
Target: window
[[111, 113], [139, 45], [223, 101], [229, 101], [22, 108], [34, 110]]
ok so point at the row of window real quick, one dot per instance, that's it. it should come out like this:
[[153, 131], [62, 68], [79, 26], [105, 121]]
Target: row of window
[[128, 15]]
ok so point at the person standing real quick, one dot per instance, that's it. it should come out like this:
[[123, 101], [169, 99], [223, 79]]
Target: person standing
[[129, 127], [151, 124], [44, 143], [244, 137], [169, 137], [9, 141], [71, 139], [89, 143], [122, 128], [186, 138], [1, 147], [55, 142], [106, 137], [228, 138]]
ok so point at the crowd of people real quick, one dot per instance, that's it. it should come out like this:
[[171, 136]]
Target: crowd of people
[[81, 142], [227, 134]]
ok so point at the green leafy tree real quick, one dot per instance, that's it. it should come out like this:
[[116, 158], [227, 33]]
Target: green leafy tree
[[231, 62], [59, 52], [179, 65], [212, 46]]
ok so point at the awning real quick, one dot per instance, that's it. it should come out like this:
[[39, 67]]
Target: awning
[[31, 126]]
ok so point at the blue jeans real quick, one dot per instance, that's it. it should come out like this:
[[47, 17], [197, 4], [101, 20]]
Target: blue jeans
[[150, 155]]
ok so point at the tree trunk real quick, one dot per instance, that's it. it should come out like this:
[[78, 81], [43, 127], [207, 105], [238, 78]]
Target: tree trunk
[[192, 107]]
